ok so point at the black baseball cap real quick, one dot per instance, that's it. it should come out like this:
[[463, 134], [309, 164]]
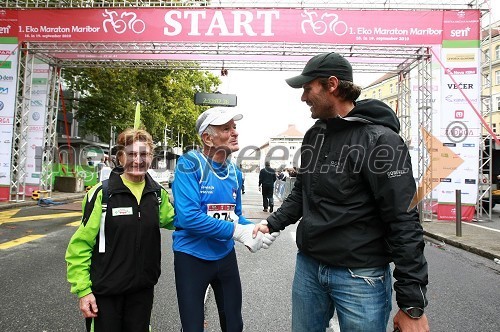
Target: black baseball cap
[[323, 65]]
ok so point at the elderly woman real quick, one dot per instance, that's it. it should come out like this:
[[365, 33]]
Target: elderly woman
[[113, 259]]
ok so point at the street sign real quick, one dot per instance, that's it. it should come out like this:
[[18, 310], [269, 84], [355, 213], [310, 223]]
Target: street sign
[[215, 99]]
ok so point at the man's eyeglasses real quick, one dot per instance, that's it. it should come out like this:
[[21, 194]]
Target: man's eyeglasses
[[141, 155]]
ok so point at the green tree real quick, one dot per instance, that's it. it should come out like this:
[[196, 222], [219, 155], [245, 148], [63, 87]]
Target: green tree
[[107, 97]]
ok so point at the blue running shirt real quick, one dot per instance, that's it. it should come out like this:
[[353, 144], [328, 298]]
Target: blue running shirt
[[207, 198]]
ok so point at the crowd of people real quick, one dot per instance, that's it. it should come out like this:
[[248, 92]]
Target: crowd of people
[[354, 221]]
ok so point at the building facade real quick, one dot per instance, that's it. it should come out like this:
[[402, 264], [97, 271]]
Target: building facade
[[282, 151]]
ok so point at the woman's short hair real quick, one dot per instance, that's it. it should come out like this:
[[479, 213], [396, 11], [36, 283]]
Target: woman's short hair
[[130, 135]]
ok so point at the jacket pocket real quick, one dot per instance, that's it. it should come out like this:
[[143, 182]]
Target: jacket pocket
[[336, 177]]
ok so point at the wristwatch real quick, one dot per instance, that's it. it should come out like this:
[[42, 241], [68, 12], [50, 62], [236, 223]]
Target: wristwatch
[[413, 312]]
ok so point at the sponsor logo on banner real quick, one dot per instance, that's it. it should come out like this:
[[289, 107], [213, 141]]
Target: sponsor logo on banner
[[445, 180], [35, 128], [5, 64], [459, 114], [119, 23], [458, 99], [40, 71], [4, 91], [6, 52], [449, 145], [460, 32], [469, 145], [1, 105], [462, 71], [470, 181], [6, 78], [36, 116], [5, 30], [457, 131], [39, 92], [36, 103], [39, 81], [462, 86], [423, 100], [447, 191], [5, 120], [470, 57]]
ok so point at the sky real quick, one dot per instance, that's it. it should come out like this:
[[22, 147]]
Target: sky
[[269, 105]]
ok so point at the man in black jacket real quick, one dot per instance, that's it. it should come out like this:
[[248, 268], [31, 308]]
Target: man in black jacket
[[267, 177], [353, 195]]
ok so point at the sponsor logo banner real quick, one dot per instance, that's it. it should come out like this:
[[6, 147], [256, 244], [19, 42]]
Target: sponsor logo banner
[[8, 78]]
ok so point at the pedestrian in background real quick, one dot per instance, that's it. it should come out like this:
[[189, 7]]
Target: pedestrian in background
[[353, 195], [243, 180], [207, 197], [267, 177], [113, 259]]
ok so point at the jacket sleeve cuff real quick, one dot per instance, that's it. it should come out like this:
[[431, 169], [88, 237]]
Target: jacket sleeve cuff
[[84, 293]]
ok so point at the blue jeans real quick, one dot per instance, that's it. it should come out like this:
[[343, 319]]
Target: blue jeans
[[361, 296]]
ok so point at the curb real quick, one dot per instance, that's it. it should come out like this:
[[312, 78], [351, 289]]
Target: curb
[[32, 202], [460, 245]]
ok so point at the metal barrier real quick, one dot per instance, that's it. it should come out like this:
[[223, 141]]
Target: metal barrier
[[283, 188]]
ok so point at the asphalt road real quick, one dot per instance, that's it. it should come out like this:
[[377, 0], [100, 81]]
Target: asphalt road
[[463, 291]]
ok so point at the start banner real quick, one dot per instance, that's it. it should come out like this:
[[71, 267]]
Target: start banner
[[370, 27]]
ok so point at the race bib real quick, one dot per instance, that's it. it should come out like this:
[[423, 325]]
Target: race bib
[[222, 211]]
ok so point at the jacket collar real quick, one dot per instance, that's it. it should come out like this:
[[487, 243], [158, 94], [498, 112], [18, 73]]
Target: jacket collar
[[116, 184]]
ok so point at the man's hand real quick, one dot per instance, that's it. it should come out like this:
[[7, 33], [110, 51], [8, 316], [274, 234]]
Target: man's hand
[[244, 234], [262, 227], [407, 324], [88, 306]]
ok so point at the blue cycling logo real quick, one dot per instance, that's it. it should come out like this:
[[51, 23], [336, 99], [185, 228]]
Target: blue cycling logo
[[36, 116], [1, 105]]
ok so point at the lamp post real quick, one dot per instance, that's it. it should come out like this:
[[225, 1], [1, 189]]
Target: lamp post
[[111, 140], [165, 131]]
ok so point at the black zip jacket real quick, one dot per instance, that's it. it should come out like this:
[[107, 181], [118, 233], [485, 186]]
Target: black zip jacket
[[353, 192], [267, 177], [131, 261]]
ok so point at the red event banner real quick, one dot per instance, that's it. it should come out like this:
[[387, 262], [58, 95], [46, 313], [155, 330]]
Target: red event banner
[[212, 25]]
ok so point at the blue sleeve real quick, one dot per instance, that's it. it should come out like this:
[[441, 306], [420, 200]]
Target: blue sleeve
[[238, 209], [188, 212]]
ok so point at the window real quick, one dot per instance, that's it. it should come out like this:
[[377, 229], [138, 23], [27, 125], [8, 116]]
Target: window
[[497, 52], [392, 88], [498, 103], [494, 127], [497, 77], [380, 92]]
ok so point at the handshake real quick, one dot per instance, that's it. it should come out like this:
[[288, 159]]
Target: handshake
[[244, 234]]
